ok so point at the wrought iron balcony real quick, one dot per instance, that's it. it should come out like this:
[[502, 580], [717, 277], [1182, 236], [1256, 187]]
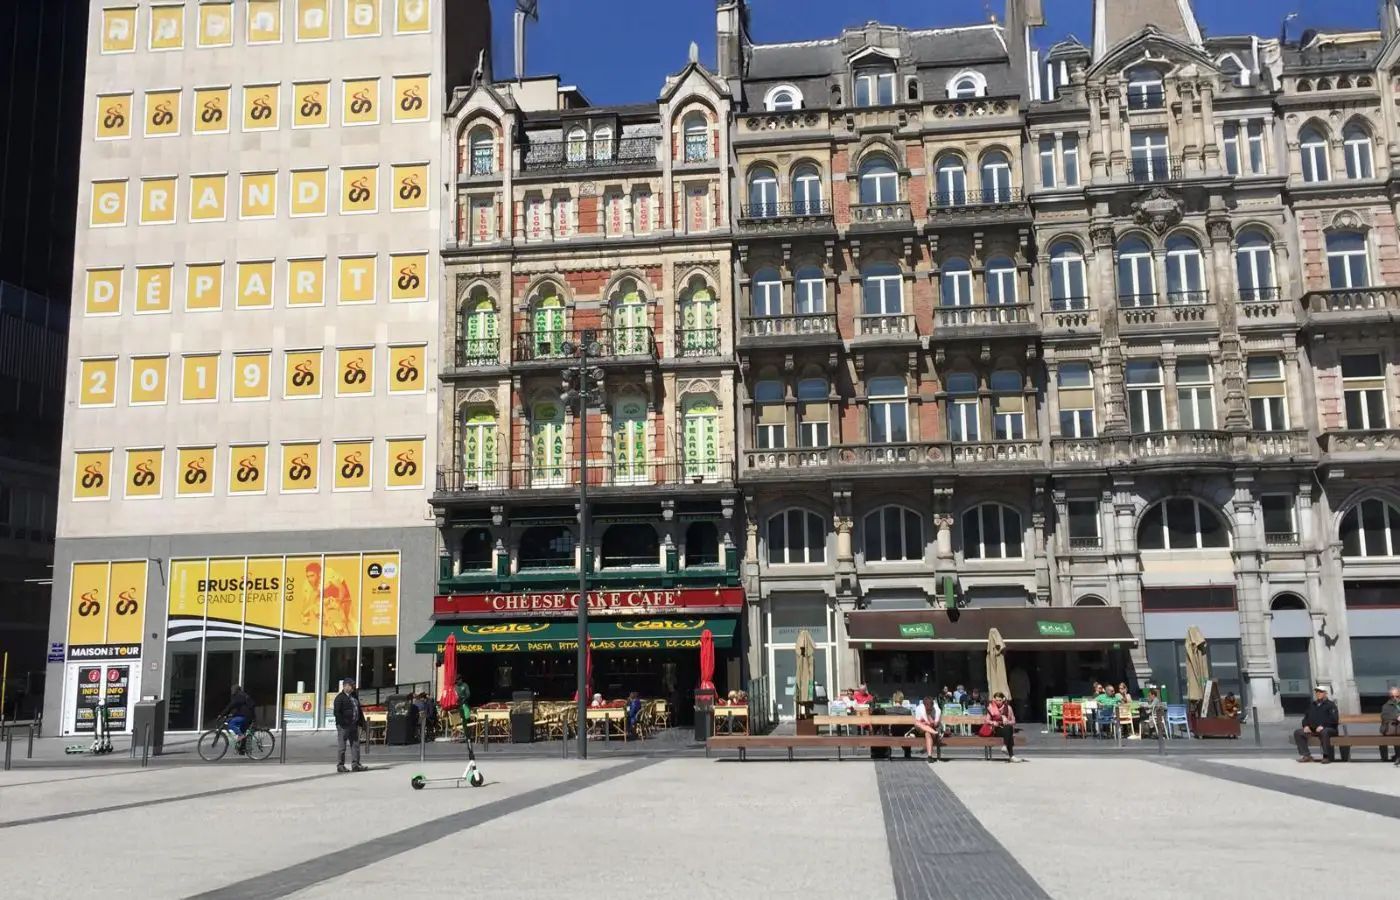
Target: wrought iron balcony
[[698, 342], [1154, 169], [881, 215], [1070, 314], [613, 343], [785, 218], [625, 153], [962, 320], [887, 325], [473, 353], [788, 329], [984, 206], [463, 482], [1081, 544]]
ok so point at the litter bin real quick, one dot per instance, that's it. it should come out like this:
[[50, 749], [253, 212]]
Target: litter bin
[[522, 717], [152, 713], [704, 714], [401, 725]]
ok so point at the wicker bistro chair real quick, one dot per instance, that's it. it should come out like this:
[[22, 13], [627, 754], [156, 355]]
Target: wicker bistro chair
[[549, 723]]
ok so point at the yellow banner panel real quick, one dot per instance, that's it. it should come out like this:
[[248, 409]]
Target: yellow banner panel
[[126, 614], [247, 473], [87, 604]]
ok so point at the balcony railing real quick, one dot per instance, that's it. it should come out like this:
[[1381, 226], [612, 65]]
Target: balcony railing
[[1161, 444], [876, 214], [613, 343], [1154, 169], [887, 325], [944, 455], [1085, 543], [1344, 301], [1279, 444], [1382, 440], [817, 325], [564, 475], [1145, 310], [1071, 312], [984, 205], [996, 453], [698, 342], [981, 314], [474, 352], [1076, 451], [632, 152], [1263, 305], [800, 215]]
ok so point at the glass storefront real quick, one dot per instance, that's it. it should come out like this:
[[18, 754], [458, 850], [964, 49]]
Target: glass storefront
[[787, 618]]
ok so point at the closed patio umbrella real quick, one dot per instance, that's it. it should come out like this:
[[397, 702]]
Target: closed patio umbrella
[[996, 665], [806, 666], [1197, 665], [448, 700], [707, 660]]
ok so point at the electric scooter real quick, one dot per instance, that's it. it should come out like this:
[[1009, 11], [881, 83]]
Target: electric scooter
[[101, 736], [472, 774]]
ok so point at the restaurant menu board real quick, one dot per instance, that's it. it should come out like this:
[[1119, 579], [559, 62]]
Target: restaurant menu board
[[95, 683], [89, 697]]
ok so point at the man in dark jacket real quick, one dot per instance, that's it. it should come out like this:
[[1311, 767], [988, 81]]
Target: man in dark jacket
[[348, 719], [239, 712], [1321, 720]]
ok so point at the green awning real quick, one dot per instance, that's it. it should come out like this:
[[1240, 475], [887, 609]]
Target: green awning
[[556, 637]]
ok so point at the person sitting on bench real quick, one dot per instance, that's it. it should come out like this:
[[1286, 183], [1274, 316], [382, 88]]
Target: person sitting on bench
[[1000, 721], [926, 719], [1321, 719]]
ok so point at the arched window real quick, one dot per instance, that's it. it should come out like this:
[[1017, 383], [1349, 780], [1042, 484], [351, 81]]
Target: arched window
[[1145, 88], [965, 88], [806, 190], [875, 85], [479, 446], [991, 531], [547, 547], [1090, 600], [1356, 141], [767, 289], [887, 410], [1008, 406], [547, 436], [878, 181], [955, 282], [1000, 276], [701, 545], [784, 99], [951, 181], [475, 553], [696, 131], [1137, 283], [629, 440], [483, 150], [547, 308], [699, 319], [1348, 263], [700, 437], [996, 177], [1182, 523], [770, 415], [576, 145], [478, 343], [894, 534], [1370, 528], [1254, 266], [1185, 271], [1067, 287], [1312, 146], [964, 418], [603, 143], [631, 332], [1287, 603], [763, 193], [813, 413], [881, 289], [630, 545], [810, 284], [796, 536]]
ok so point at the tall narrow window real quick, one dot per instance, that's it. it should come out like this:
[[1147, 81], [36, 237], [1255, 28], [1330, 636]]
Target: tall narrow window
[[1008, 406], [477, 341], [767, 287], [996, 177], [874, 86], [813, 413], [1254, 140], [603, 143], [1047, 161], [955, 282], [882, 291], [1364, 392], [479, 445], [1230, 143], [1356, 142], [1137, 283], [549, 335], [1195, 395], [888, 411], [629, 440], [1150, 161], [701, 437], [699, 318], [810, 285], [1185, 271], [806, 191], [1254, 266], [1143, 378], [576, 146], [1001, 281], [547, 436], [1312, 147], [763, 193], [1069, 155], [1075, 383], [770, 415], [951, 179], [631, 332], [1145, 88], [879, 183], [1268, 402], [1244, 147], [1067, 286], [696, 133], [483, 147], [1348, 265], [963, 418]]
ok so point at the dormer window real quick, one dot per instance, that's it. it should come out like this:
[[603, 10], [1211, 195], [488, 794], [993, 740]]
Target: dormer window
[[576, 145], [966, 85], [875, 86], [603, 143], [783, 99], [965, 89], [1145, 88]]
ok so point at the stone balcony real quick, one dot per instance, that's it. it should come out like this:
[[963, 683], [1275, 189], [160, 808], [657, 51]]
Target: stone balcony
[[896, 327], [1070, 315], [1187, 310], [982, 321], [760, 127], [876, 217], [978, 208], [1184, 448], [1351, 307], [911, 458], [781, 219], [1265, 308], [1377, 445], [791, 330]]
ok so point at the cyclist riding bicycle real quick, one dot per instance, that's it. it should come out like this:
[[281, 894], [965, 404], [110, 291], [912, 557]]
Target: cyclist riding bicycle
[[240, 714]]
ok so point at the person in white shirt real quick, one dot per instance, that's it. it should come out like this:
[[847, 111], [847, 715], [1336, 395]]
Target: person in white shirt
[[926, 719]]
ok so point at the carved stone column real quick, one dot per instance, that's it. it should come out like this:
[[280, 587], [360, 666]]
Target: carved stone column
[[1249, 596], [1227, 308], [1115, 419]]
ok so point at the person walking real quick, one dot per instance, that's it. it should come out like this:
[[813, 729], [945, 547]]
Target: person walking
[[348, 719]]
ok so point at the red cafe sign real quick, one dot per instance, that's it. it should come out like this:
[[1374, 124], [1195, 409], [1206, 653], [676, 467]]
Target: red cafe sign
[[565, 603]]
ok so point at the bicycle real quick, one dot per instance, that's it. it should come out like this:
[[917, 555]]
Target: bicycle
[[257, 742]]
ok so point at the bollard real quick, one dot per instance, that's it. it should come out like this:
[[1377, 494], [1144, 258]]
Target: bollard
[[29, 753], [1254, 714], [282, 750], [422, 740], [9, 742], [146, 746]]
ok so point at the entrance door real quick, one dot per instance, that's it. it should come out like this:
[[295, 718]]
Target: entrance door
[[90, 685], [1294, 674]]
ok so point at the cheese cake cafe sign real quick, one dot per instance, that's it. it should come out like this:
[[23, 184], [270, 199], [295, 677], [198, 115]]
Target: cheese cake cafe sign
[[642, 602]]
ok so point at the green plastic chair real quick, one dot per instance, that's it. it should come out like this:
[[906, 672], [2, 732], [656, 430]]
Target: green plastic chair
[[1054, 712]]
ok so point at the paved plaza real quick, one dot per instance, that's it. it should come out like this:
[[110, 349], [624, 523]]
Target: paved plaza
[[1151, 827]]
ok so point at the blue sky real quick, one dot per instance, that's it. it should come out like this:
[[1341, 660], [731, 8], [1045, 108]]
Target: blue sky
[[619, 51]]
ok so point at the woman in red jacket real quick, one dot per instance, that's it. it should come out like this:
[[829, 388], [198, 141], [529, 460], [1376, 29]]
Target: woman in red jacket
[[1000, 721]]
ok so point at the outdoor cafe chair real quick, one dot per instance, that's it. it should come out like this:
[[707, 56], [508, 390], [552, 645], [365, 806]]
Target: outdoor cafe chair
[[1104, 718], [1072, 716], [1125, 718], [1177, 717]]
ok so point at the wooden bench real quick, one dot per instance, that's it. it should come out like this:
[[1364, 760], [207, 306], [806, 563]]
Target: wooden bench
[[791, 742], [1345, 740]]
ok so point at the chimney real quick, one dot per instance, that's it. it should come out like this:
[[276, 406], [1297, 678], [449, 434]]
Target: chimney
[[730, 26]]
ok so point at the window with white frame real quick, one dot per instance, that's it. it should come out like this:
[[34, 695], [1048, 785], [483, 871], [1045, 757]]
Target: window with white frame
[[1244, 148], [1370, 528], [879, 183], [767, 288], [770, 415], [1268, 393], [964, 426], [875, 86], [1280, 521], [966, 87], [955, 282], [1348, 262], [1145, 88], [1364, 393], [813, 413], [576, 145], [1150, 161], [1356, 144], [1074, 382], [784, 99], [1048, 167], [483, 150], [1254, 266], [1137, 281], [881, 290], [1000, 275], [796, 537], [1008, 406], [996, 177], [1069, 159], [992, 531], [1068, 289], [763, 193], [887, 411], [810, 285], [893, 534], [603, 143], [695, 130], [806, 190], [1312, 147], [1143, 380], [1182, 523], [1195, 395], [950, 177], [1186, 283]]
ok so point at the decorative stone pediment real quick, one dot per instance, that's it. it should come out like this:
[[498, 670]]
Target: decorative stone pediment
[[1158, 209], [1349, 220]]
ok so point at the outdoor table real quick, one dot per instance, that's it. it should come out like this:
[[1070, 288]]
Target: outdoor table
[[606, 721], [735, 719]]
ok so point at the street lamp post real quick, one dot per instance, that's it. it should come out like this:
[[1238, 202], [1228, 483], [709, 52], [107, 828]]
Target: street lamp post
[[583, 386]]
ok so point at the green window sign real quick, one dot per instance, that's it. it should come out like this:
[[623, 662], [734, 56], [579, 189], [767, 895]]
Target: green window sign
[[1055, 629], [916, 630]]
